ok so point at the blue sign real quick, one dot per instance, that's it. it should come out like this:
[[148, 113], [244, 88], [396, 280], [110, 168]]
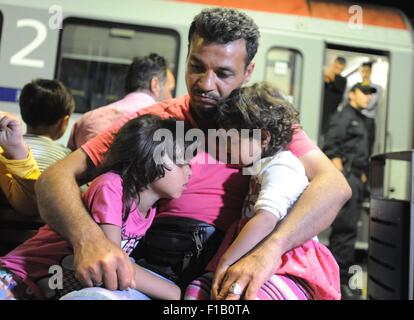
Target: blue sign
[[9, 94]]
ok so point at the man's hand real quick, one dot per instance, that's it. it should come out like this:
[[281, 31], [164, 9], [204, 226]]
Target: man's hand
[[364, 178], [103, 262], [251, 272], [329, 75], [219, 275], [337, 162], [11, 137]]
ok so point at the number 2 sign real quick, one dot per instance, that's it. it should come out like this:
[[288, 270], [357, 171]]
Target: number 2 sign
[[20, 58]]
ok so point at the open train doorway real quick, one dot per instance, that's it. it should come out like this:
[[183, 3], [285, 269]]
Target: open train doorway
[[343, 68]]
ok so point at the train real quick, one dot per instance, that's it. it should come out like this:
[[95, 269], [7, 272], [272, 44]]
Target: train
[[89, 44]]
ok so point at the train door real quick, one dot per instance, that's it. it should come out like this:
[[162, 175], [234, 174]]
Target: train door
[[372, 68]]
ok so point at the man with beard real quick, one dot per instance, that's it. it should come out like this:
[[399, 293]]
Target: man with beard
[[222, 44]]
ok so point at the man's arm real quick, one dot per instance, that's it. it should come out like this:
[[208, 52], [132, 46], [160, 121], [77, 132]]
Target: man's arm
[[97, 259], [314, 212], [339, 84], [335, 136], [146, 282], [318, 206]]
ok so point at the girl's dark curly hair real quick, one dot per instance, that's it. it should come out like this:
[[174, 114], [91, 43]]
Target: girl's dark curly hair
[[133, 155], [260, 106]]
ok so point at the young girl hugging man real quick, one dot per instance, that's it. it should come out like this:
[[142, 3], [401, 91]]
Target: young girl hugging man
[[137, 171], [277, 180]]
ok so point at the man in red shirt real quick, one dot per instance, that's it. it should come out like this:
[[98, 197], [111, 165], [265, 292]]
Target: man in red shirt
[[222, 44]]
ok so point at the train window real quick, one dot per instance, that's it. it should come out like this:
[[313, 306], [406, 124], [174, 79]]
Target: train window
[[284, 69], [94, 57]]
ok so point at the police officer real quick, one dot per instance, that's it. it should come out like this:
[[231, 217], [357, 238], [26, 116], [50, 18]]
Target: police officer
[[348, 143]]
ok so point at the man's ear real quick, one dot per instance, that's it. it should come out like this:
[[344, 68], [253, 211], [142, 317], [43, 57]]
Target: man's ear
[[248, 72], [155, 87]]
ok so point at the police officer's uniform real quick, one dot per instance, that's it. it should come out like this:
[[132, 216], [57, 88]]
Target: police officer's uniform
[[350, 138]]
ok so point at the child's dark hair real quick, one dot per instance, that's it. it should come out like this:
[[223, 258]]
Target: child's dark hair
[[45, 102], [260, 106], [132, 155]]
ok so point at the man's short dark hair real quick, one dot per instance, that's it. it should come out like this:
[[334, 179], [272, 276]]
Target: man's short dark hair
[[341, 60], [222, 25], [142, 70], [367, 64], [44, 102]]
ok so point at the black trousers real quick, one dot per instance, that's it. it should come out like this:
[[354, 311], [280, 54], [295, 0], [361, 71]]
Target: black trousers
[[344, 229]]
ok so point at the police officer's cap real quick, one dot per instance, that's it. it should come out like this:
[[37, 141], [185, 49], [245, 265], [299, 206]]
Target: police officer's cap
[[364, 88]]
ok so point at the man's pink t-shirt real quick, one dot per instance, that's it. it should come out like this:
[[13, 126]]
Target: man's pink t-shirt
[[215, 192], [31, 260]]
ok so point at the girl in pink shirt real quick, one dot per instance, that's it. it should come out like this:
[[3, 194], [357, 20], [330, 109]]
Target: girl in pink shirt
[[137, 171]]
